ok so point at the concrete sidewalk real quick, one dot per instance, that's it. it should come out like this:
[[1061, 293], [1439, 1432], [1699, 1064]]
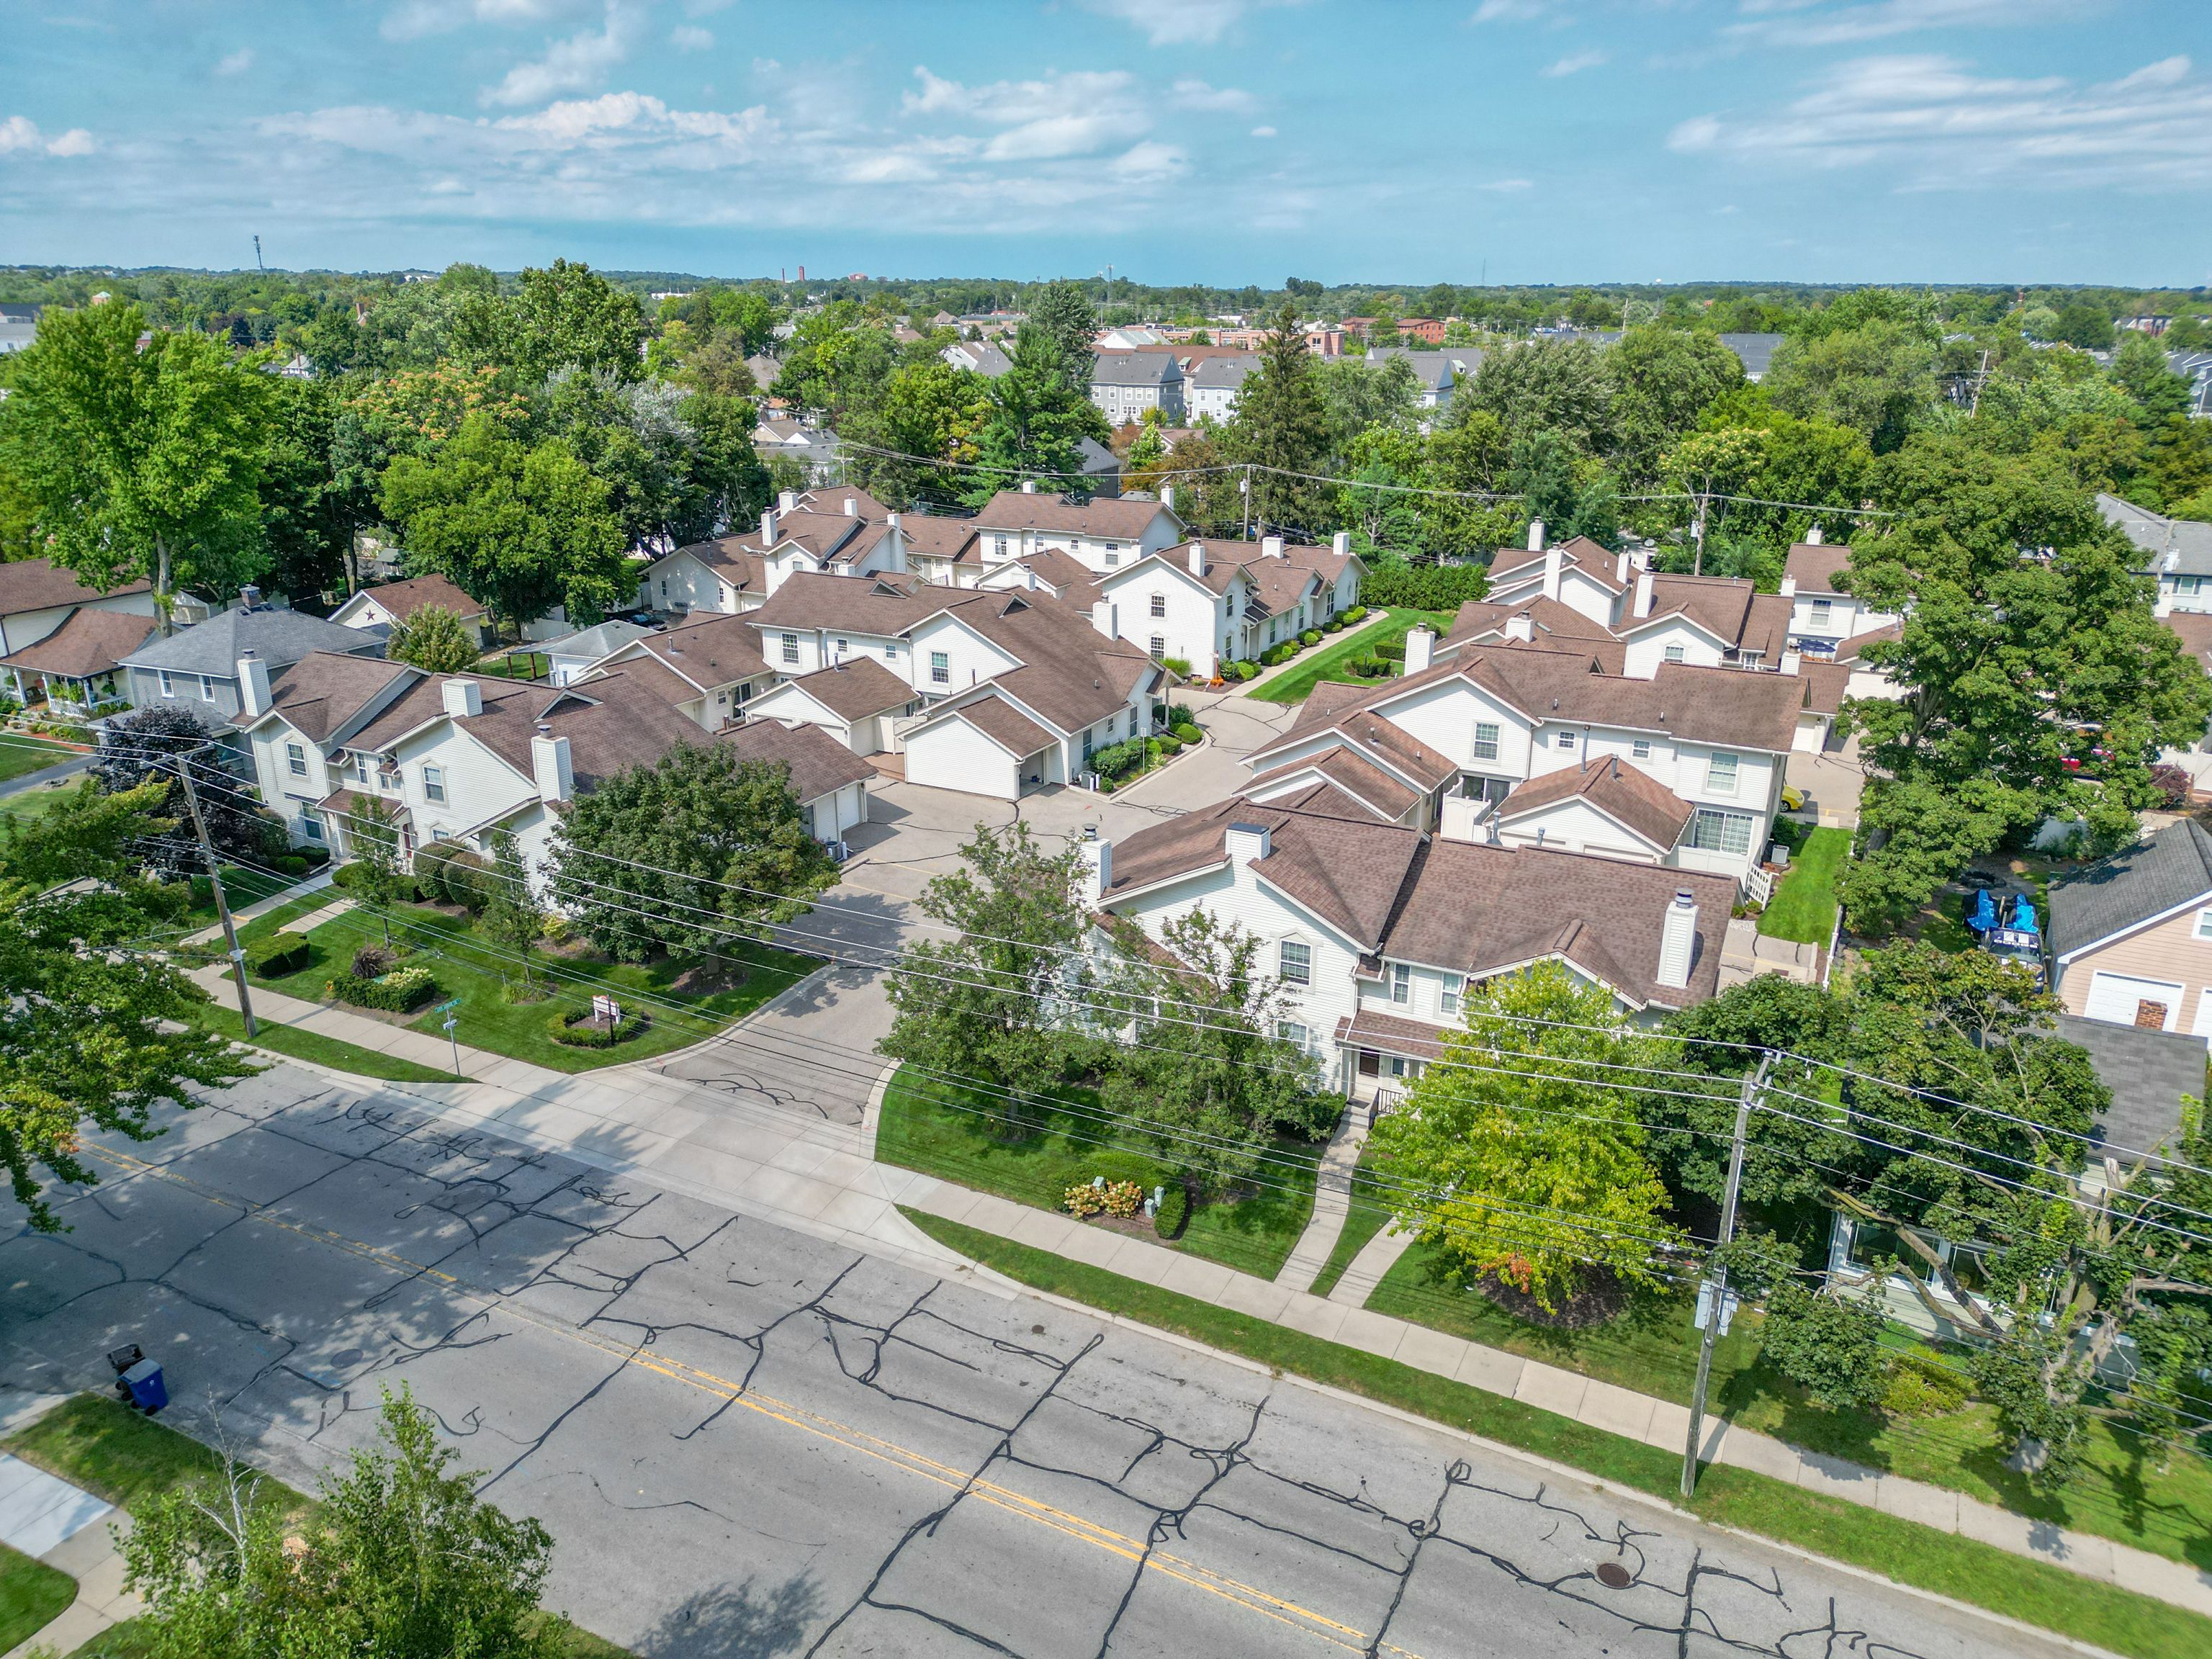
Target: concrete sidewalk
[[69, 1529], [1600, 1405]]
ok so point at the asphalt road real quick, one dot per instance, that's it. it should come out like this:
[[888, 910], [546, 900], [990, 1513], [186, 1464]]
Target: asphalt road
[[750, 1443]]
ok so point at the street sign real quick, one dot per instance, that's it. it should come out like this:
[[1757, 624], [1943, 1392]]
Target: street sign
[[448, 1005], [448, 1022], [607, 1009]]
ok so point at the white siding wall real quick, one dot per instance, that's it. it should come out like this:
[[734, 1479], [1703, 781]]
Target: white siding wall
[[1848, 616], [479, 785], [970, 658], [28, 627], [680, 583], [1575, 826], [1579, 593], [951, 755], [840, 811], [284, 792], [1648, 649], [791, 705], [1193, 626]]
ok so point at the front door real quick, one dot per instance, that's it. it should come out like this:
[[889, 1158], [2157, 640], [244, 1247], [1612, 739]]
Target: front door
[[1370, 1063]]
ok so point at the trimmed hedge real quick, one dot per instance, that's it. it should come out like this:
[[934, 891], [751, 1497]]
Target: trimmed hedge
[[274, 955], [1311, 636], [400, 992], [1174, 1211], [1189, 734], [453, 875], [1117, 758], [1424, 586], [567, 1028], [1357, 613]]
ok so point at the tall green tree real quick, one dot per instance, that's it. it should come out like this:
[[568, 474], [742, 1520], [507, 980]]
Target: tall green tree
[[1208, 1075], [1063, 311], [309, 512], [1522, 1156], [1564, 386], [97, 1037], [930, 411], [990, 1002], [522, 528], [1879, 380], [1664, 380], [513, 917], [1280, 425], [1041, 409], [138, 464], [565, 316], [681, 854], [378, 883], [434, 639]]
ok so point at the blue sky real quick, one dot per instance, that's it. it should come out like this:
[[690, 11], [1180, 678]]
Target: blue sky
[[1225, 141]]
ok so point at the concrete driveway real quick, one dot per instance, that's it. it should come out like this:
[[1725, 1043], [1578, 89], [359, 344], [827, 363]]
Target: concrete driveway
[[748, 1442]]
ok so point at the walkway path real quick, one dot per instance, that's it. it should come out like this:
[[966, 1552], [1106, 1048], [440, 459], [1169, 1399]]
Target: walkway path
[[1365, 1271], [45, 1517], [1600, 1405], [1332, 1203]]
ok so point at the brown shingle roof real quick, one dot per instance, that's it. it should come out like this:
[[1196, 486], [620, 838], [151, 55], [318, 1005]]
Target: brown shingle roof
[[1817, 565], [855, 688], [89, 641], [1360, 778], [324, 689], [1580, 553], [1105, 516], [708, 650], [931, 536], [733, 559], [885, 605], [404, 597], [1623, 792], [818, 763], [40, 584], [1551, 624], [1071, 674], [1005, 725]]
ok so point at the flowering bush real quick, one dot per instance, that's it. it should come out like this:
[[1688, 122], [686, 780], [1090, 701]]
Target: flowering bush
[[1117, 1198], [1086, 1200]]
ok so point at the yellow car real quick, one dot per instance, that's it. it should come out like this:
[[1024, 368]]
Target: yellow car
[[1793, 797]]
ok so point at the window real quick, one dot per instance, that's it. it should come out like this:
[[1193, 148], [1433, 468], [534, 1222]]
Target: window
[[1297, 963], [1713, 831], [729, 601], [1159, 645], [1449, 995], [2204, 924], [1290, 1031], [1401, 984], [890, 651], [168, 685], [1640, 749], [207, 687], [1675, 653], [1565, 741], [295, 760], [791, 647], [940, 668], [1159, 604], [1113, 555], [844, 645], [1720, 775], [1486, 740], [998, 545], [434, 783], [311, 826], [1820, 610], [744, 692]]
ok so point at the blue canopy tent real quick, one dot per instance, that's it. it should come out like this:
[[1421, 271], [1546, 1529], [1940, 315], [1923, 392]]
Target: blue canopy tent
[[1985, 914]]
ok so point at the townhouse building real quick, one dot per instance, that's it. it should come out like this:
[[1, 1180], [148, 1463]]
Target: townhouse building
[[1100, 534], [2177, 553], [198, 667], [1210, 601], [708, 668], [391, 602], [1826, 619], [1213, 385], [1124, 385], [841, 532], [37, 596], [1378, 931]]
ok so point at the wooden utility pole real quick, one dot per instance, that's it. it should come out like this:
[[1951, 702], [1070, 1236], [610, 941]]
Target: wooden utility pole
[[1714, 1296], [222, 903]]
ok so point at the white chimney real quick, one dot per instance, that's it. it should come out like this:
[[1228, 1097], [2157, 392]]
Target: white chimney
[[767, 527], [1535, 535], [1101, 618], [1197, 559], [1792, 661], [1555, 567], [1097, 870], [462, 697], [1678, 942], [892, 520], [1813, 536], [1341, 543], [550, 763], [1028, 486], [252, 683], [1789, 588], [1621, 567], [1271, 547], [1167, 497], [1643, 592], [787, 501], [1521, 627], [1249, 843], [1421, 647], [852, 506]]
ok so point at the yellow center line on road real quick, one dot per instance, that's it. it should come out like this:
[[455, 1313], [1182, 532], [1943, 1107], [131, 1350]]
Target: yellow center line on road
[[1100, 1537]]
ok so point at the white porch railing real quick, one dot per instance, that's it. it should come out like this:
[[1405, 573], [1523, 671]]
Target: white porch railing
[[1758, 885]]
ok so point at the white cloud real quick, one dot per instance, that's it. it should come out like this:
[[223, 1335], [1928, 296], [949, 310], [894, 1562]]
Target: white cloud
[[1509, 11], [237, 64], [1054, 136], [1190, 93], [1816, 23], [1148, 163], [415, 19], [1010, 102], [1181, 23], [1263, 132], [688, 38], [1942, 126], [20, 135], [1574, 64], [580, 61]]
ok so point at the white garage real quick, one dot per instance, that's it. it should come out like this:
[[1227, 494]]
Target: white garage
[[985, 747], [2124, 1000]]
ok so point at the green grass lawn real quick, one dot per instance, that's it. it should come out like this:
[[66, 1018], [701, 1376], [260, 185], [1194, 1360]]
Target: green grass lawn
[[478, 973], [1321, 662], [29, 805], [521, 665], [1910, 1553], [20, 754], [31, 1596], [1804, 907], [1362, 1221], [946, 1131], [2120, 1493], [312, 1045]]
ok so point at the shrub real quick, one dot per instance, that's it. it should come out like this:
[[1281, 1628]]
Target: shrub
[[456, 876], [1188, 734], [1919, 1386], [1425, 586], [1182, 714], [1169, 745], [1827, 1345], [398, 992], [276, 954], [1116, 1198], [1334, 625], [317, 857], [374, 961], [293, 865], [1357, 613], [1174, 1211], [1116, 758], [349, 876], [1178, 667], [2172, 785], [1311, 636], [1085, 1199], [569, 1028], [1392, 649]]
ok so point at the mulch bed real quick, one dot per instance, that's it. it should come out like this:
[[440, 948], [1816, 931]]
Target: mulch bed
[[1603, 1298]]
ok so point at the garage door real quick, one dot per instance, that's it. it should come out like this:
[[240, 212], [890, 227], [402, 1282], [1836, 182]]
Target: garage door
[[2125, 1000]]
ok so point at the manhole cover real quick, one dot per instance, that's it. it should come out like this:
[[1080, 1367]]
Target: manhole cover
[[1613, 1576], [348, 1357]]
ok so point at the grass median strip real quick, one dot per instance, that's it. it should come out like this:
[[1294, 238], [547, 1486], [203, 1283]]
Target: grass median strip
[[312, 1045], [1323, 662], [1904, 1551], [31, 1596]]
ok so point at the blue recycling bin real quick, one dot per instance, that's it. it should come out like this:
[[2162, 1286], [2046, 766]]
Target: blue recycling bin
[[148, 1391]]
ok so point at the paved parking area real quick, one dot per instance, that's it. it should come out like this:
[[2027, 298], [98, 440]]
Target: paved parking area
[[750, 1442]]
